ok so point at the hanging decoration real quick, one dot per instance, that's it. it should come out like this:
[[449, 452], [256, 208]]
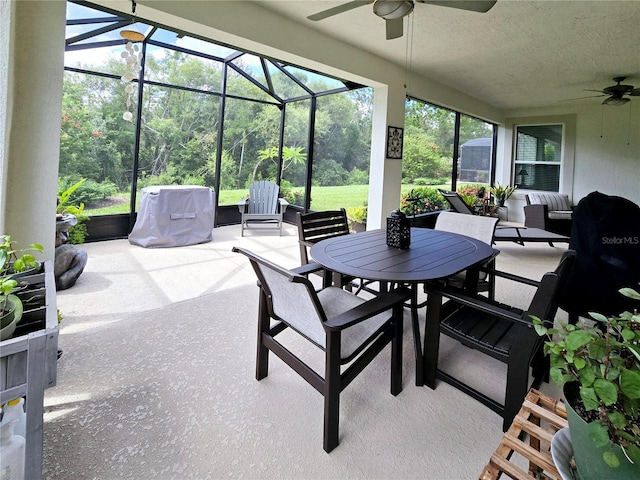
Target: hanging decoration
[[133, 60]]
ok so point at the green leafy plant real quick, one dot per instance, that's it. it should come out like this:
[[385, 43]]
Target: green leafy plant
[[78, 232], [12, 261], [502, 192], [421, 200], [604, 359], [357, 214]]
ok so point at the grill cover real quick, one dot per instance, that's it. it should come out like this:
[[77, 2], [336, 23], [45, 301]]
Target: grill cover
[[173, 216]]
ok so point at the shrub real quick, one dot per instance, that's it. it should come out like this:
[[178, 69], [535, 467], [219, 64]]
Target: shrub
[[422, 200], [88, 192], [358, 177], [294, 197], [357, 214]]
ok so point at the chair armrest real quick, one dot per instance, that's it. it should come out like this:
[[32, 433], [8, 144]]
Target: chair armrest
[[510, 276], [480, 304], [282, 204], [535, 216], [368, 309], [307, 269], [242, 205]]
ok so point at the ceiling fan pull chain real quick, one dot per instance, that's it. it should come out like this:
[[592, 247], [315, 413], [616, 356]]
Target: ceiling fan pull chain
[[408, 60], [629, 125]]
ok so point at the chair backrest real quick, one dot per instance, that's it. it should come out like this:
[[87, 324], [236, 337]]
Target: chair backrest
[[477, 226], [606, 236], [457, 203], [546, 300], [263, 197], [316, 226], [555, 201], [290, 298]]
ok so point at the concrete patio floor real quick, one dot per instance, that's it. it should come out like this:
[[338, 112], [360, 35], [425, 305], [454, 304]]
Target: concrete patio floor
[[108, 417]]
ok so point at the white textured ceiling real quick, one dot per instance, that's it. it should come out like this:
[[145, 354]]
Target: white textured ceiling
[[520, 54]]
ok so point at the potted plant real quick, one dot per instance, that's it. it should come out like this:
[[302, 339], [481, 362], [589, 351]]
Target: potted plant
[[357, 218], [501, 193], [13, 263], [599, 365]]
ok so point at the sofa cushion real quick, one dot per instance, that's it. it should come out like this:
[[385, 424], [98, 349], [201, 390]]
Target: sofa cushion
[[555, 201], [560, 214]]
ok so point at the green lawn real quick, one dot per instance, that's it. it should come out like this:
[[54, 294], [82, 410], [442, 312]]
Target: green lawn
[[322, 198]]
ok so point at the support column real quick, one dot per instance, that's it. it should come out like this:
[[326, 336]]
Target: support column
[[385, 175], [31, 79]]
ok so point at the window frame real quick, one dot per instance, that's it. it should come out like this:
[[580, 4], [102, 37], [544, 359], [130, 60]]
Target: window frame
[[508, 132], [517, 164]]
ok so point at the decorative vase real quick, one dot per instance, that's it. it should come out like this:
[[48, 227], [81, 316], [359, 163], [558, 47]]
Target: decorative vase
[[500, 202], [588, 457]]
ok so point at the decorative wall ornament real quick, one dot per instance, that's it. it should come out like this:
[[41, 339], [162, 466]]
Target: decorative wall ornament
[[394, 142], [133, 60]]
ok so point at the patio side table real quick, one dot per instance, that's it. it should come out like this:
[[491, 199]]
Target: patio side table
[[529, 437]]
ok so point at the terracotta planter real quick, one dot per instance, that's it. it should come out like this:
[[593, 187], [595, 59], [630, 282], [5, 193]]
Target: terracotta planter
[[588, 457]]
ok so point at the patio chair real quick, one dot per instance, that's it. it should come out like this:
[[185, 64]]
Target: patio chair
[[346, 327], [606, 238], [456, 202], [500, 331], [263, 206], [316, 226], [548, 211], [479, 227]]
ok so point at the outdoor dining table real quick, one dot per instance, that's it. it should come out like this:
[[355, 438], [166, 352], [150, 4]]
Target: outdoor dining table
[[433, 255]]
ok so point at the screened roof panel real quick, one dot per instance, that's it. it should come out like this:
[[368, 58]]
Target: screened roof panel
[[184, 70], [314, 81], [242, 87], [251, 65], [284, 86], [110, 36], [103, 60], [92, 26], [75, 12]]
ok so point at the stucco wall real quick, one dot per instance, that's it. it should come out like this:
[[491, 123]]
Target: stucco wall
[[31, 134], [606, 154]]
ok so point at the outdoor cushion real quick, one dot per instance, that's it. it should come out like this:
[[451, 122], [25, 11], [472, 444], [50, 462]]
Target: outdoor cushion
[[560, 214], [555, 201]]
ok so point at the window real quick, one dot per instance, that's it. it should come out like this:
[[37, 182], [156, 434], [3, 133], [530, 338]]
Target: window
[[446, 149], [538, 157]]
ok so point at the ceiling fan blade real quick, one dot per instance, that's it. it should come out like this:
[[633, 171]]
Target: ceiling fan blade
[[394, 28], [635, 92], [580, 98], [345, 7], [481, 6]]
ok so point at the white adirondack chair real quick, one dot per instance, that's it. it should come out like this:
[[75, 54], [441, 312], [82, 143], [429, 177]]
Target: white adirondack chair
[[263, 208]]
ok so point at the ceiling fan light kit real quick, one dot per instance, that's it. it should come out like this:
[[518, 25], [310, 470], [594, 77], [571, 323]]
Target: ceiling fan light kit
[[616, 94], [392, 9], [615, 101]]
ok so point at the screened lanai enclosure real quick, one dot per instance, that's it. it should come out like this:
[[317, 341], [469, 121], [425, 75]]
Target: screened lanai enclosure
[[173, 109], [165, 107]]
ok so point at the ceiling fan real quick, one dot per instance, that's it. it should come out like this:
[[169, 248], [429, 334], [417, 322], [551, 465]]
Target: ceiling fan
[[393, 11], [616, 94]]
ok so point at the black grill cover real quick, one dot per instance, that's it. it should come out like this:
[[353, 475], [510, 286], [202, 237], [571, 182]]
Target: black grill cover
[[606, 236]]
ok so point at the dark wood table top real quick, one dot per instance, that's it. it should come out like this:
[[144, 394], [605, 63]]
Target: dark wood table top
[[433, 254]]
